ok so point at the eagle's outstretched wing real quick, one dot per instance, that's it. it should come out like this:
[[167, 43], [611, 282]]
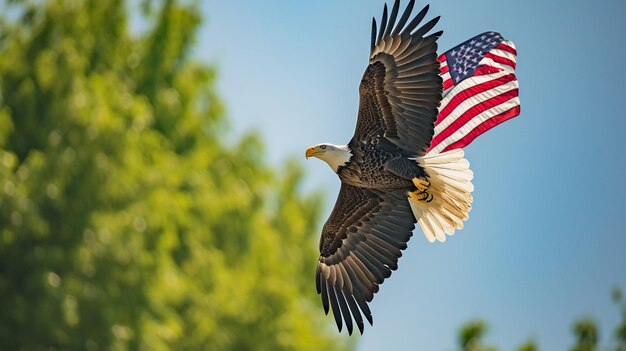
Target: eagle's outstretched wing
[[360, 246], [401, 88]]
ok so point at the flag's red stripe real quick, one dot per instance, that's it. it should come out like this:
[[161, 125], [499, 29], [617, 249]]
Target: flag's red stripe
[[444, 69], [471, 113], [471, 91], [504, 47], [486, 69], [501, 59], [448, 83], [441, 58], [483, 127]]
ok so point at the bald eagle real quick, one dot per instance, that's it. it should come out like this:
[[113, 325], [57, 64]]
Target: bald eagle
[[388, 180]]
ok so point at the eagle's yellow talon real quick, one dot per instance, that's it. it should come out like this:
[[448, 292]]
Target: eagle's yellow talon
[[430, 197], [421, 184], [421, 194]]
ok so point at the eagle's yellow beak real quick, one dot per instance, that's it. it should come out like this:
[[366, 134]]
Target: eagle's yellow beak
[[309, 152], [312, 151]]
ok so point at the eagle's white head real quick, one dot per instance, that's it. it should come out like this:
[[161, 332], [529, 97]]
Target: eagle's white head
[[334, 155]]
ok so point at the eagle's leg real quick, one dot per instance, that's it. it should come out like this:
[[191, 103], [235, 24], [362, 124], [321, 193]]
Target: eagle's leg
[[410, 170], [421, 193], [421, 184], [423, 196]]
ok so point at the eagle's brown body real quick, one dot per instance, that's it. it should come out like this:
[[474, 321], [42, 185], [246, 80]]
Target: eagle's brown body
[[379, 165]]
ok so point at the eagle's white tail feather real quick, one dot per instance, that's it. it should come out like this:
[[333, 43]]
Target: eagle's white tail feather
[[451, 187]]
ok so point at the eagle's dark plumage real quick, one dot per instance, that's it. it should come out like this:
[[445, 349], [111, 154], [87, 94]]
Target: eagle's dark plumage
[[360, 246], [372, 220]]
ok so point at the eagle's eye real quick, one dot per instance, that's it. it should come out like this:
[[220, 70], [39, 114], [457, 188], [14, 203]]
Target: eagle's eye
[[323, 147]]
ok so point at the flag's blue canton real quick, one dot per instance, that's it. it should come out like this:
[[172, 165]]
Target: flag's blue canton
[[464, 58]]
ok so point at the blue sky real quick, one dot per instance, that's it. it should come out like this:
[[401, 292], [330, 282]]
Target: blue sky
[[545, 242]]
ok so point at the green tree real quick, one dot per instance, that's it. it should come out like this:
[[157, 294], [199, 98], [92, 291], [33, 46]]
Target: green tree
[[471, 336], [529, 345], [587, 335], [620, 330], [585, 330], [126, 220]]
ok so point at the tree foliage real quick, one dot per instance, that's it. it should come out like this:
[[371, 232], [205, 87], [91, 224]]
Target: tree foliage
[[620, 330], [585, 330], [126, 220], [471, 336], [587, 335]]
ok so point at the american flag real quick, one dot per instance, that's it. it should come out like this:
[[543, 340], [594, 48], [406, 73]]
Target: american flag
[[480, 90]]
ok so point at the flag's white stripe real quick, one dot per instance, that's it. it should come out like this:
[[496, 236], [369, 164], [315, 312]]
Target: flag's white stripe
[[470, 82], [475, 122], [509, 44], [487, 61], [474, 100], [445, 77], [505, 54]]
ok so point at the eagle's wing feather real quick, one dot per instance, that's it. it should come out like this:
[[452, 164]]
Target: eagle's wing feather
[[401, 88], [360, 246]]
